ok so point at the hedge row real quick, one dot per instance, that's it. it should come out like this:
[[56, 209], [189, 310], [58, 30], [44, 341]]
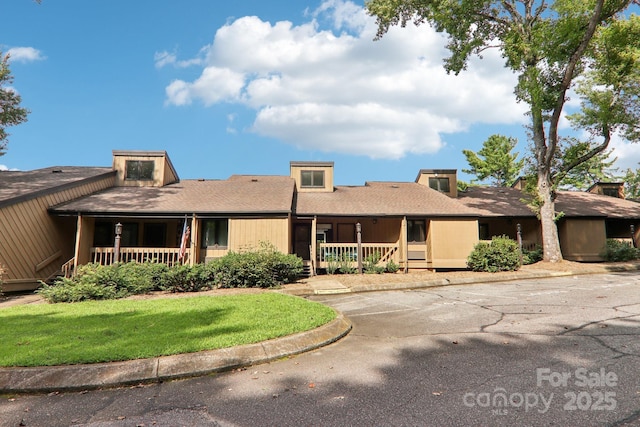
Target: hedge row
[[263, 268]]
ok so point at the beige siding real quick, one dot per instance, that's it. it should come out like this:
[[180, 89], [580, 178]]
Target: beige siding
[[452, 240], [84, 239], [296, 169], [423, 179], [582, 239], [248, 233], [34, 244], [163, 173]]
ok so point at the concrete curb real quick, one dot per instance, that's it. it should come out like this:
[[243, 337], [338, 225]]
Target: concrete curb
[[99, 375]]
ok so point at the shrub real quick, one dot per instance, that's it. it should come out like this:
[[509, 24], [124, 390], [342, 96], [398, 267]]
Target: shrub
[[499, 255], [532, 256], [370, 264], [332, 264], [392, 267], [95, 281], [261, 268], [345, 265], [617, 250], [185, 278]]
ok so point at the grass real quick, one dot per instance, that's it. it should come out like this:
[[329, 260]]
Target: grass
[[104, 331]]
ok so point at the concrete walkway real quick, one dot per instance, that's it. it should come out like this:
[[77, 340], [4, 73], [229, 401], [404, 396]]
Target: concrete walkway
[[82, 377]]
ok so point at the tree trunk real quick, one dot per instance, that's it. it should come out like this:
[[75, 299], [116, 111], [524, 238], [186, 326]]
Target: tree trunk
[[550, 240]]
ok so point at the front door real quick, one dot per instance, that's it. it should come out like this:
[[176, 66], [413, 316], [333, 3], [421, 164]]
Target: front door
[[302, 241]]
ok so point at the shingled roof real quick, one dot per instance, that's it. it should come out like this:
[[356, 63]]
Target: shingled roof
[[17, 186], [381, 199], [508, 202], [240, 194]]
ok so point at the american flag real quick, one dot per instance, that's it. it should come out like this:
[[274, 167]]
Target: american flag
[[186, 231]]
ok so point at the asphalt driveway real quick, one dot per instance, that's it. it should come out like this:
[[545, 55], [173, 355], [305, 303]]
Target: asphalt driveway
[[562, 351]]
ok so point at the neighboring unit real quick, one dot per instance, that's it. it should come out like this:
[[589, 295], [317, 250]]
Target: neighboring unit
[[55, 219]]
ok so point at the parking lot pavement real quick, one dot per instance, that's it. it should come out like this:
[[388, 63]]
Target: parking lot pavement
[[560, 351]]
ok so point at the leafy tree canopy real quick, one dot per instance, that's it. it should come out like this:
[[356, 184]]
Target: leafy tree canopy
[[598, 168], [592, 46], [495, 161], [11, 113], [632, 184]]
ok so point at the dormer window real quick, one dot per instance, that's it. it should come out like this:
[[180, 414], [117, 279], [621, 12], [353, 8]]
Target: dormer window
[[439, 184], [139, 170], [312, 179]]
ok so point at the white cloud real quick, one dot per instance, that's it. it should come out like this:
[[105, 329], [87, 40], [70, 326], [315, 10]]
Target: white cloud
[[25, 54], [343, 92], [165, 58], [628, 153], [6, 168]]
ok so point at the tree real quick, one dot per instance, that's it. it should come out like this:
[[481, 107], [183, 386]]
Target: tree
[[589, 45], [497, 162], [597, 169], [11, 113], [632, 184]]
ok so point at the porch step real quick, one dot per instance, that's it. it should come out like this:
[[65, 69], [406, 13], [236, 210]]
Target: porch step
[[306, 269]]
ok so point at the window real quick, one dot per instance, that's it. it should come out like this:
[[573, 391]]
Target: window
[[129, 234], [139, 170], [312, 178], [154, 235], [610, 191], [215, 232], [483, 231], [104, 234], [416, 230], [440, 184]]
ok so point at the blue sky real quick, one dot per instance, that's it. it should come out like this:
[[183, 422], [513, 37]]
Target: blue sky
[[246, 86]]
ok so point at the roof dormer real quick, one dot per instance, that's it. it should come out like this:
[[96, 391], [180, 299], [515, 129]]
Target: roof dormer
[[613, 189], [312, 176], [143, 169], [442, 180]]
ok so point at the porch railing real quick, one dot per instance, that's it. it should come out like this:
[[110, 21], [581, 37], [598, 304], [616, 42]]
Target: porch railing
[[169, 256], [68, 268], [331, 252]]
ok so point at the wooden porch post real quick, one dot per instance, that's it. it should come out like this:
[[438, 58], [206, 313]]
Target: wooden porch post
[[193, 246], [314, 242], [76, 252], [404, 245], [359, 241]]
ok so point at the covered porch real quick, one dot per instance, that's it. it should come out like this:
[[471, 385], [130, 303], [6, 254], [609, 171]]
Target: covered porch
[[108, 240], [409, 242], [162, 238]]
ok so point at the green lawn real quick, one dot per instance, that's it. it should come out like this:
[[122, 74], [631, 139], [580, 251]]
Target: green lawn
[[101, 331]]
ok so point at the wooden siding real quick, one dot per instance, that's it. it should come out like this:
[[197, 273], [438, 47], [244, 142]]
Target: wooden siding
[[425, 174], [162, 172], [31, 237], [582, 239], [84, 239], [452, 241], [296, 169], [248, 233]]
